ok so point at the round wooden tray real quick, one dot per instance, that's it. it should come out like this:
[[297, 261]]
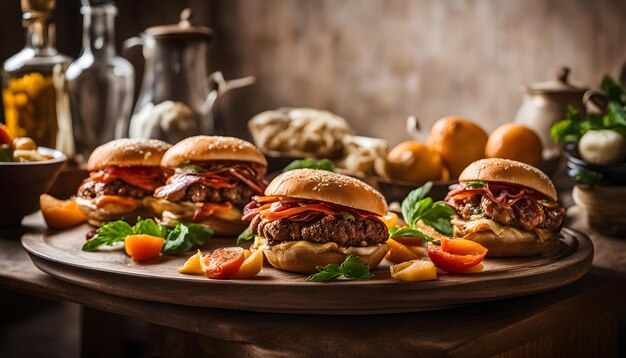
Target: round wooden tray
[[59, 254]]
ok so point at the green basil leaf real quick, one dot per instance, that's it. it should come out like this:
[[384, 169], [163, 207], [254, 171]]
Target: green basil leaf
[[439, 217], [584, 176], [150, 227], [177, 240], [108, 234], [327, 273], [5, 154], [408, 232], [198, 234], [353, 267], [614, 90], [410, 207], [246, 235], [323, 164]]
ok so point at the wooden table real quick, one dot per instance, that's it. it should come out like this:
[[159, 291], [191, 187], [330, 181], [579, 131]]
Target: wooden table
[[579, 319]]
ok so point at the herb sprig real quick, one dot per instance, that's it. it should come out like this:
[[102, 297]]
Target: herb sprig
[[576, 124], [351, 268], [323, 164], [415, 207], [181, 238]]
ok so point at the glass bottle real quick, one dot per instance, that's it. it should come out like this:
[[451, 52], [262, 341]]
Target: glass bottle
[[33, 82], [100, 83]]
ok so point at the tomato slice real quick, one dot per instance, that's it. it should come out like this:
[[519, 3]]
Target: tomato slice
[[4, 137], [223, 262], [456, 257]]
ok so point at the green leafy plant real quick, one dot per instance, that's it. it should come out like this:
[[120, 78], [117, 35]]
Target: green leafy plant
[[351, 268], [415, 207], [576, 124], [323, 164], [181, 238]]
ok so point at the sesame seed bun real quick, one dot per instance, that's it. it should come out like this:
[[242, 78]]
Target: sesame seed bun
[[314, 184], [511, 172], [305, 257], [128, 152], [205, 148]]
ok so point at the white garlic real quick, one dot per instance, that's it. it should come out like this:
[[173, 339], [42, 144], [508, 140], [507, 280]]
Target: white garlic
[[602, 146]]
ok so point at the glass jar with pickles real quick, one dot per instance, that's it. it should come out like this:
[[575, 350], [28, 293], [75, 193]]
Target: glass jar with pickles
[[33, 83]]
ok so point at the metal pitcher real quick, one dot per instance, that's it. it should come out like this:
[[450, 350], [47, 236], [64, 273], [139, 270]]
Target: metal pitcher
[[177, 95]]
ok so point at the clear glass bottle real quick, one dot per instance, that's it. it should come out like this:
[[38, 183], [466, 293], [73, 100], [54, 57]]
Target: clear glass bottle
[[100, 83], [33, 82]]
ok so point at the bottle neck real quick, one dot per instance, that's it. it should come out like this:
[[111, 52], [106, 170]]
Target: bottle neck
[[99, 29], [40, 35]]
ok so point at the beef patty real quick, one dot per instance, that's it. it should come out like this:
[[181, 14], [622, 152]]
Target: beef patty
[[525, 213], [239, 195], [91, 189], [360, 233]]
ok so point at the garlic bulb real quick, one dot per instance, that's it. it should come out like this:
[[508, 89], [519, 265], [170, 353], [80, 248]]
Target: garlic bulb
[[602, 146]]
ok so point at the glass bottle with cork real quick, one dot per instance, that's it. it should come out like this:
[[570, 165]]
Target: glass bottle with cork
[[33, 83]]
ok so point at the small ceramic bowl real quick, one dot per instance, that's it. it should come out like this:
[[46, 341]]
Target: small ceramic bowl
[[611, 174], [604, 206], [22, 183]]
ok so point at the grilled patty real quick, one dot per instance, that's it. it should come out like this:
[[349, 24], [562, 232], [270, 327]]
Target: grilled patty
[[91, 189], [360, 233], [239, 195], [525, 213]]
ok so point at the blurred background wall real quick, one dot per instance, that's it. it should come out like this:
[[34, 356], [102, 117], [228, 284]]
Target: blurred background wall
[[375, 62]]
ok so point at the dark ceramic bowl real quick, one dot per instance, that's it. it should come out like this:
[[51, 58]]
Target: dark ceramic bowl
[[22, 183], [611, 174]]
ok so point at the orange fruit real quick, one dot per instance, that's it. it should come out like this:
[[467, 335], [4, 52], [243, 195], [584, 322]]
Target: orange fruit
[[143, 247], [458, 141], [60, 214], [515, 141], [414, 162]]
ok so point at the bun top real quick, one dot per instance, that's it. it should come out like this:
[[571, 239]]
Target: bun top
[[509, 171], [315, 184], [204, 148], [128, 152]]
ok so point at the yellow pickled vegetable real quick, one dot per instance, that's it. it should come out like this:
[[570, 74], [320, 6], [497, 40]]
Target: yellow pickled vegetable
[[414, 270], [192, 265]]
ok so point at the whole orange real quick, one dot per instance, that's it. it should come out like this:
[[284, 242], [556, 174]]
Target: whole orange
[[515, 141], [458, 141], [414, 162]]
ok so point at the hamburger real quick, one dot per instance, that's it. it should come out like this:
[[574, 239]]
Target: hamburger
[[212, 179], [309, 218], [123, 176], [507, 206]]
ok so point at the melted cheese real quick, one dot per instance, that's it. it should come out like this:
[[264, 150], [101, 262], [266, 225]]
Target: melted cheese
[[185, 210], [320, 248], [464, 228]]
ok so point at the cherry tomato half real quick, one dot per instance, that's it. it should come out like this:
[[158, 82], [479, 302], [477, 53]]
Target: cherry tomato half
[[4, 136], [456, 256], [223, 262]]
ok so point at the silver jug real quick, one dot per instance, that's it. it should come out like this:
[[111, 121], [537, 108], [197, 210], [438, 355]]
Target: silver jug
[[177, 95]]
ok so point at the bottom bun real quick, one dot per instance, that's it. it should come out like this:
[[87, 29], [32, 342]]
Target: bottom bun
[[220, 226], [502, 240], [97, 216], [305, 257]]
